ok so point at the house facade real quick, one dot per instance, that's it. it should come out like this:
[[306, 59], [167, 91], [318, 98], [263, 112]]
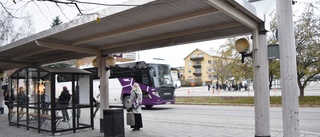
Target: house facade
[[199, 66]]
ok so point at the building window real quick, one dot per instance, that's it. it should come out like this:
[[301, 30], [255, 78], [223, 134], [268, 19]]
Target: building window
[[209, 77], [189, 77], [200, 55], [209, 61], [198, 63], [189, 70], [189, 63], [198, 70], [194, 55]]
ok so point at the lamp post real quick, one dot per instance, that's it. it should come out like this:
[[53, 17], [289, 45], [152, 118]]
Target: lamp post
[[242, 46]]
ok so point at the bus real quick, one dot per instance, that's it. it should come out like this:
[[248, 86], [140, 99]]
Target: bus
[[154, 79]]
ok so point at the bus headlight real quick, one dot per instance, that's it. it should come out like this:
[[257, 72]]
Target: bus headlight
[[156, 94]]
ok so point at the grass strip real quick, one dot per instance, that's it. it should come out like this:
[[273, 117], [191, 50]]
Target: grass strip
[[274, 100]]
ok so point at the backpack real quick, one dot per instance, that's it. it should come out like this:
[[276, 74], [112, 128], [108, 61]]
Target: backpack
[[13, 98]]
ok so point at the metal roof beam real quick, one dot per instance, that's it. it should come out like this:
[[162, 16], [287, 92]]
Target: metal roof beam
[[67, 47], [148, 25], [233, 12], [54, 59], [12, 66], [167, 36], [16, 62], [32, 53]]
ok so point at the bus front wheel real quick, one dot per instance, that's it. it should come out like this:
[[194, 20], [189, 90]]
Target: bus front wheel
[[126, 102], [149, 106]]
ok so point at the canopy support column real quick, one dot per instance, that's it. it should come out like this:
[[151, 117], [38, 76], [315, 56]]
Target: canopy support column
[[288, 70], [104, 88], [261, 88]]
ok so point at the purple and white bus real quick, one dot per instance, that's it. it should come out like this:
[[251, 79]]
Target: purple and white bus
[[154, 79]]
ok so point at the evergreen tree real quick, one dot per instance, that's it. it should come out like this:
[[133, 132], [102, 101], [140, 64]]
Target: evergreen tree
[[56, 21]]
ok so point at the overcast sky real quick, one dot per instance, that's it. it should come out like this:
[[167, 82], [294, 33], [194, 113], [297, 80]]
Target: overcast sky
[[43, 13]]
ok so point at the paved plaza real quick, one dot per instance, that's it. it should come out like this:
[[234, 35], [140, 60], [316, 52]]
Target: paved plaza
[[156, 128]]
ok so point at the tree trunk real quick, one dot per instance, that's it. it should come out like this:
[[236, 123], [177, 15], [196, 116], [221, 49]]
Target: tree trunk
[[301, 91], [270, 80]]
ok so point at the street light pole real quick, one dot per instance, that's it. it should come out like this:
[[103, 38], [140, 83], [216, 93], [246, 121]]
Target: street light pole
[[288, 69]]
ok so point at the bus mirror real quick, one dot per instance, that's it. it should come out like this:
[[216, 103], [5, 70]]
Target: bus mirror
[[153, 72]]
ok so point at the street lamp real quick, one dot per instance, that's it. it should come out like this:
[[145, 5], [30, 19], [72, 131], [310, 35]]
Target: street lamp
[[242, 46]]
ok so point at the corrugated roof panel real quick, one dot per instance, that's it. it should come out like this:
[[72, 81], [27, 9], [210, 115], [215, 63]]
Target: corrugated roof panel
[[164, 23]]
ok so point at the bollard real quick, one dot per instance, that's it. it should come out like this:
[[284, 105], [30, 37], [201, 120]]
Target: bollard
[[212, 90]]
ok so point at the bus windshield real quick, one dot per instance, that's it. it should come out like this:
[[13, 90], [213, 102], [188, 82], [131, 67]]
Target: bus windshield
[[161, 75]]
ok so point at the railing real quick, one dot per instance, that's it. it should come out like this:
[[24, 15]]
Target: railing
[[197, 66], [196, 58], [197, 73]]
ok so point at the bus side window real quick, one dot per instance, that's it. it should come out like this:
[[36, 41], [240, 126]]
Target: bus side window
[[145, 79]]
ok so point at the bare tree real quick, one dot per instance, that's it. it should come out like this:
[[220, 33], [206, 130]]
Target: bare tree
[[11, 31]]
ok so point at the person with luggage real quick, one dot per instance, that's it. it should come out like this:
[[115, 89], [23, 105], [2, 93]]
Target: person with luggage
[[135, 106]]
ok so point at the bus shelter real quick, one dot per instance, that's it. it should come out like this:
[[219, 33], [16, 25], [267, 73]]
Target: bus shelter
[[36, 104]]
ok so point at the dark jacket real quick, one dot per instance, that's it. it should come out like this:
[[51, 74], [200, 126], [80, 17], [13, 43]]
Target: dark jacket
[[64, 97], [22, 98]]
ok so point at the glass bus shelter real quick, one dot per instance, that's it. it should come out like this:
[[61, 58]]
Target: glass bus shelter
[[36, 104]]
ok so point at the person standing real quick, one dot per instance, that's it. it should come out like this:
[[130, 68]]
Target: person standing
[[208, 87], [8, 100], [64, 99], [96, 100], [136, 103], [44, 100], [22, 98]]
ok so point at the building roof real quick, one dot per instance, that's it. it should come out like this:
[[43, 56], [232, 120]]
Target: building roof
[[152, 24], [210, 52]]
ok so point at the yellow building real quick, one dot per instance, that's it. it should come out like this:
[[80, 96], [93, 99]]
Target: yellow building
[[199, 64]]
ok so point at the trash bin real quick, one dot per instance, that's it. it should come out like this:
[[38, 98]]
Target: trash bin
[[113, 122]]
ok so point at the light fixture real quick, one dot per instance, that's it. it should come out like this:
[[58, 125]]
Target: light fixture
[[110, 61], [242, 46], [94, 62]]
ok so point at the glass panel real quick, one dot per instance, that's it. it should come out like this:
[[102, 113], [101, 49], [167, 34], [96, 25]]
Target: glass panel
[[80, 96], [163, 78]]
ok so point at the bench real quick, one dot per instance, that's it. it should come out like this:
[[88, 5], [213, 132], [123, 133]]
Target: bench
[[43, 117]]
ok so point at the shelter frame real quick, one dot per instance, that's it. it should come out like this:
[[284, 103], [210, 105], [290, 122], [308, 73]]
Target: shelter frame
[[39, 108]]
